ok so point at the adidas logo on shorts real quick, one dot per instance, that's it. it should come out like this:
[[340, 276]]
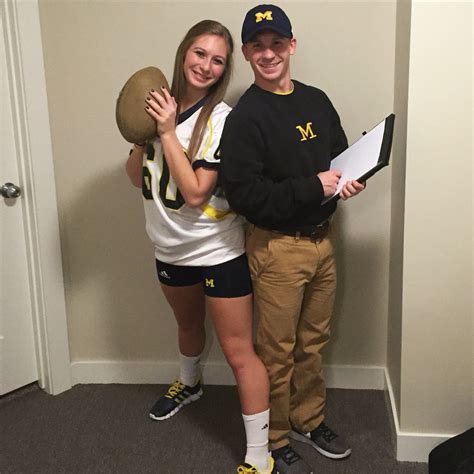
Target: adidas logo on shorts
[[164, 274]]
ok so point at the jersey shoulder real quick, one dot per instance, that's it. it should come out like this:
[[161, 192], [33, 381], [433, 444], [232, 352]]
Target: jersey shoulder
[[218, 117], [220, 111]]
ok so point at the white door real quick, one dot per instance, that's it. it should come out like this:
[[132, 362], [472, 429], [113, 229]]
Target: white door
[[18, 365]]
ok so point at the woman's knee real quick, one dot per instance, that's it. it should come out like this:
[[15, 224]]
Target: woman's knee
[[239, 356]]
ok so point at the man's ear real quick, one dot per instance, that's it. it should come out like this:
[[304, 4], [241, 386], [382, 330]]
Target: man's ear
[[245, 52], [292, 46]]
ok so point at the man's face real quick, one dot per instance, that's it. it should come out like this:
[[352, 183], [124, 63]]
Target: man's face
[[269, 56]]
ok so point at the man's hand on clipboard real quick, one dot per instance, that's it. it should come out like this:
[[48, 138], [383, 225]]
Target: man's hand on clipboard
[[351, 189], [329, 180]]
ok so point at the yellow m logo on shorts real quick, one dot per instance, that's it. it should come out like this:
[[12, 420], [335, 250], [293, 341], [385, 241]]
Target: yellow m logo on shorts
[[306, 133], [263, 16], [210, 282]]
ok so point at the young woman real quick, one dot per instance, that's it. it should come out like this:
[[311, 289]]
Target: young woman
[[199, 242]]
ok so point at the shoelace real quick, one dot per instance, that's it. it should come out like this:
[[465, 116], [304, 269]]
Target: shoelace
[[326, 432], [242, 469], [176, 388], [290, 456]]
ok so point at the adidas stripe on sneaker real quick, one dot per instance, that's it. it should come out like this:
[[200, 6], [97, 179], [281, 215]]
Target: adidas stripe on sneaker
[[174, 399]]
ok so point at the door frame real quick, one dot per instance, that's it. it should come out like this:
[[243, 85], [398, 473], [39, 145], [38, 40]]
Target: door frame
[[26, 76]]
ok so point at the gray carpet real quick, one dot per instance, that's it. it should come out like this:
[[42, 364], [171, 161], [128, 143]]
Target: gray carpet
[[106, 429]]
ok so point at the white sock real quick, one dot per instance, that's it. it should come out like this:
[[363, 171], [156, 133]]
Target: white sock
[[256, 429], [190, 371]]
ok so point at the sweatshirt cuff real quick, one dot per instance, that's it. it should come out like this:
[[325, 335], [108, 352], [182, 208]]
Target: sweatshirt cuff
[[319, 187]]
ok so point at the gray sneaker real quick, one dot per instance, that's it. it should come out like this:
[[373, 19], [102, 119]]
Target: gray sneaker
[[288, 461], [325, 441]]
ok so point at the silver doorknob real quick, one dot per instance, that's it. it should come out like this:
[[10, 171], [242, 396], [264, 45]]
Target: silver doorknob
[[10, 190]]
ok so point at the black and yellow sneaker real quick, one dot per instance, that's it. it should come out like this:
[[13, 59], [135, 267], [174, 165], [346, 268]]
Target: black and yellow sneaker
[[174, 399], [248, 468]]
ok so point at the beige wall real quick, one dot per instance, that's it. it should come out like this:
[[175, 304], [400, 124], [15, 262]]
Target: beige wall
[[436, 355], [394, 333], [430, 339], [115, 309]]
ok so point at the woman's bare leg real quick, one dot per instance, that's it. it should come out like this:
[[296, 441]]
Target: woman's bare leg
[[232, 319], [188, 305]]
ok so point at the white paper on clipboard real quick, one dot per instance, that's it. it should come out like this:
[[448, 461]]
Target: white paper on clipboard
[[366, 156]]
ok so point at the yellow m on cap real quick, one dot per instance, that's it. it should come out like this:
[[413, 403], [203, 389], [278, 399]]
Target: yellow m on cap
[[259, 16]]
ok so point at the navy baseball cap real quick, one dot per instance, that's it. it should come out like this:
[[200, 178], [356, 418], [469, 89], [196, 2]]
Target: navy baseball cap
[[266, 17]]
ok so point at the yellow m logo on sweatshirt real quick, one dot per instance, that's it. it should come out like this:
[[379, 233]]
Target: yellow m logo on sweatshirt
[[306, 132]]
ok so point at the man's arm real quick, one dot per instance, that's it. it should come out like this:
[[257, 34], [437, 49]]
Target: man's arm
[[338, 136], [339, 144]]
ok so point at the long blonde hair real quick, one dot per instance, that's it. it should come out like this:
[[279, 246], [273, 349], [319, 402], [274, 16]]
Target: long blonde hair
[[217, 90]]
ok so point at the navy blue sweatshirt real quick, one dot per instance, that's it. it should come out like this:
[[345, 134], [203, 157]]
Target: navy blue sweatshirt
[[272, 148]]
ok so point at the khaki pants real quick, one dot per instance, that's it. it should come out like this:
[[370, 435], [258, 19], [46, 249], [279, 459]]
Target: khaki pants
[[294, 284]]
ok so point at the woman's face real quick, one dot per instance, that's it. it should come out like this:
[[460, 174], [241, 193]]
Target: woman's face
[[205, 62]]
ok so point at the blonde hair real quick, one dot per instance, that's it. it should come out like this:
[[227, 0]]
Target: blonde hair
[[217, 90]]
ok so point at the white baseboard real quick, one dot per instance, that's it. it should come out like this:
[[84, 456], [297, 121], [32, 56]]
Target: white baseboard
[[355, 377], [143, 372], [414, 447], [214, 373]]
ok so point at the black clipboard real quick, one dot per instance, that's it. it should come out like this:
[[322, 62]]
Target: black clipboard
[[366, 156]]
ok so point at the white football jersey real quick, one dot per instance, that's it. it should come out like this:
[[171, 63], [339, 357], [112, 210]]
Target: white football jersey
[[182, 235]]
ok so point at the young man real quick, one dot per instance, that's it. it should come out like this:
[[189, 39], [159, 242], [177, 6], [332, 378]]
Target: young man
[[276, 150]]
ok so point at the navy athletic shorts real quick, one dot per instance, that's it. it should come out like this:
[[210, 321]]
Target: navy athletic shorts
[[230, 279]]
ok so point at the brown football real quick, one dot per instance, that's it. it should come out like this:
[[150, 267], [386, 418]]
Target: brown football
[[135, 125]]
